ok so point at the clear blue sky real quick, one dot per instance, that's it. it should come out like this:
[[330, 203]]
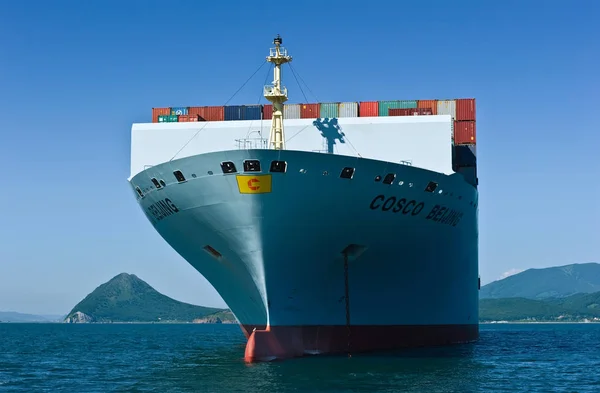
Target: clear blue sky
[[75, 75]]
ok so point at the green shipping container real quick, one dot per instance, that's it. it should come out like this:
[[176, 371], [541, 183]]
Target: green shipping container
[[385, 106], [329, 110], [167, 119]]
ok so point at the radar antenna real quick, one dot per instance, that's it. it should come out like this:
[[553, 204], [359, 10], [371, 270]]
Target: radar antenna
[[277, 94]]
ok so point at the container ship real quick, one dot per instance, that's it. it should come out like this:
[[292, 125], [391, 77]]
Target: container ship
[[325, 227]]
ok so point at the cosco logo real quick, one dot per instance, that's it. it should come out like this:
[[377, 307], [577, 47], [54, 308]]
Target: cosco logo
[[396, 205]]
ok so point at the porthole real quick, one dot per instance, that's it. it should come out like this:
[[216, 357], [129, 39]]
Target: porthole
[[162, 183], [377, 178], [156, 183], [400, 182], [179, 176], [228, 167], [389, 178], [251, 166], [431, 186], [347, 173], [325, 173], [139, 191], [278, 166]]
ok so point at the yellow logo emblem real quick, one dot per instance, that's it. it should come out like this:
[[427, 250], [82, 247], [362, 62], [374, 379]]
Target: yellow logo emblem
[[260, 184]]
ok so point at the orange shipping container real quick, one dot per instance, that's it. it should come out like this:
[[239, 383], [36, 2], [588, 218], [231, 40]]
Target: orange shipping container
[[208, 113], [430, 104], [310, 111], [368, 109], [189, 118], [159, 112], [465, 109], [268, 111], [464, 133]]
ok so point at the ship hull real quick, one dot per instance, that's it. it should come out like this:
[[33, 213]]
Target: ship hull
[[323, 264]]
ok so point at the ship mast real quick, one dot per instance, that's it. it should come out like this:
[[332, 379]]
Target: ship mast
[[277, 94]]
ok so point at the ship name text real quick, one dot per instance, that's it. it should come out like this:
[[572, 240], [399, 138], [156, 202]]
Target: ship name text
[[161, 209], [438, 213]]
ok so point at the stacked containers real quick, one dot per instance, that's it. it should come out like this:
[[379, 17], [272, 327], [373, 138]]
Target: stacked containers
[[410, 112], [309, 111], [156, 112], [268, 111], [329, 110], [446, 107], [464, 124], [385, 106], [167, 119], [208, 113], [189, 118], [368, 109], [291, 111], [179, 111], [252, 112], [431, 104], [348, 109]]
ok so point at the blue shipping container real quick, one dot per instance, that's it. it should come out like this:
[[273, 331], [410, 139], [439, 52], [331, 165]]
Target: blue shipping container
[[329, 110], [179, 111], [253, 112], [465, 156], [235, 112]]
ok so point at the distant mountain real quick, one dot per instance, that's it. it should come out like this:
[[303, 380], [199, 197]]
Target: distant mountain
[[11, 316], [552, 282], [576, 307], [126, 298]]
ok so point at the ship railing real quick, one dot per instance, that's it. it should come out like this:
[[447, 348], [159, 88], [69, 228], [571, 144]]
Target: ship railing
[[252, 143], [282, 52], [270, 90]]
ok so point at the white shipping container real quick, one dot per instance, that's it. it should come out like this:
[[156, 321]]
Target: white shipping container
[[447, 107], [348, 109], [291, 111]]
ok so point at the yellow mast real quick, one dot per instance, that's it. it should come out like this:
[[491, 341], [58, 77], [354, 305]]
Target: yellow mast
[[277, 94]]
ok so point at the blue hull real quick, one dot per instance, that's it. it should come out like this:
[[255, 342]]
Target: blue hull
[[276, 258]]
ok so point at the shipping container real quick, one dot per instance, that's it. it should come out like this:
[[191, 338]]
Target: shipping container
[[329, 110], [252, 112], [465, 109], [189, 118], [431, 104], [234, 112], [464, 133], [167, 119], [309, 111], [368, 109], [385, 106], [348, 109], [267, 111], [291, 111], [446, 107], [410, 112], [464, 156], [179, 111], [159, 112], [196, 110], [214, 113]]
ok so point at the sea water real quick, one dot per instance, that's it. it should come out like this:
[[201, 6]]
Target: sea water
[[209, 358]]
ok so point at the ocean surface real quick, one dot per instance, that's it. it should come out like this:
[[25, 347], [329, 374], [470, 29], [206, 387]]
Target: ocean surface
[[209, 358]]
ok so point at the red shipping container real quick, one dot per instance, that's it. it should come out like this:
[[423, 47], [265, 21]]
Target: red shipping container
[[368, 109], [189, 118], [197, 110], [268, 111], [310, 111], [159, 112], [464, 133], [465, 109], [409, 111], [431, 104]]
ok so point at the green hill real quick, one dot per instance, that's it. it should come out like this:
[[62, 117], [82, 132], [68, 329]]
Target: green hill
[[577, 307], [553, 282], [126, 298]]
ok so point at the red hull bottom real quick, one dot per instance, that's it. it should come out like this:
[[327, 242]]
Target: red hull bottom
[[282, 342]]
